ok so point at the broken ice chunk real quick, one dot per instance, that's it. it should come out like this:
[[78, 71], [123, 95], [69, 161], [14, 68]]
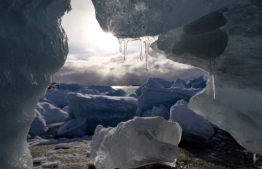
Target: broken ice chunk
[[135, 143]]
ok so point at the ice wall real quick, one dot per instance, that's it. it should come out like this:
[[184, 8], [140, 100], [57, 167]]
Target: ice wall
[[33, 46]]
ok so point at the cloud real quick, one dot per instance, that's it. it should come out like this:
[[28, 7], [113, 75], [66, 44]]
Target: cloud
[[114, 71]]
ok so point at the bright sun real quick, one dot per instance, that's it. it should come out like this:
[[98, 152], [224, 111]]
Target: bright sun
[[100, 39]]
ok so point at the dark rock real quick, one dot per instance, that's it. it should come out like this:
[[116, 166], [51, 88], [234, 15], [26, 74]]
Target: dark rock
[[211, 44], [90, 166], [206, 23]]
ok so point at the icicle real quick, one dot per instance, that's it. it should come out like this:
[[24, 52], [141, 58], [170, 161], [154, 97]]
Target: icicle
[[254, 159], [147, 47], [142, 49], [125, 48], [213, 74], [120, 45]]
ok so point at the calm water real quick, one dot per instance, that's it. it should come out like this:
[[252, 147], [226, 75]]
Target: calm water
[[128, 89]]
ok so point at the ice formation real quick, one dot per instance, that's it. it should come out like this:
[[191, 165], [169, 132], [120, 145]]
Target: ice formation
[[136, 143], [51, 113], [38, 126], [133, 20], [195, 127], [33, 47], [92, 110], [154, 94], [236, 107]]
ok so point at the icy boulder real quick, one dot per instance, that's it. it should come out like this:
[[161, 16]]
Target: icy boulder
[[38, 126], [133, 19], [73, 128], [51, 113], [154, 94], [160, 111], [104, 110], [56, 97], [33, 47], [195, 127], [135, 143]]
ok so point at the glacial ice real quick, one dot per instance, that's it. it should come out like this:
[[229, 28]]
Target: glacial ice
[[135, 143], [237, 75], [56, 97], [160, 111], [38, 126], [99, 109], [51, 113], [33, 47], [154, 94], [195, 127]]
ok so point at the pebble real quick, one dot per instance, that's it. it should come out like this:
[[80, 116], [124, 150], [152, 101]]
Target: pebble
[[50, 153], [50, 164], [62, 146], [39, 160]]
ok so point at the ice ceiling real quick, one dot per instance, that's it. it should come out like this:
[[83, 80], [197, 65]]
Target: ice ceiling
[[34, 46]]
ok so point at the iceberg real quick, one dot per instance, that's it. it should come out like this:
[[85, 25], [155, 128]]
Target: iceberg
[[135, 143], [33, 47], [195, 127]]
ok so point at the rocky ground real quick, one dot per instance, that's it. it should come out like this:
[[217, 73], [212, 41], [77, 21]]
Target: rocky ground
[[221, 152]]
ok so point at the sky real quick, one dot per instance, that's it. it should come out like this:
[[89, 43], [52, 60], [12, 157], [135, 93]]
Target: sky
[[94, 57]]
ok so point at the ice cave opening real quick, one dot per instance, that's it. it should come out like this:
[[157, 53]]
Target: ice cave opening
[[221, 37]]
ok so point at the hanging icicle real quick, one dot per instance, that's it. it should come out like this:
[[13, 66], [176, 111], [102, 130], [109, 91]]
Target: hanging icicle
[[125, 48], [147, 47], [120, 45], [213, 75], [142, 49]]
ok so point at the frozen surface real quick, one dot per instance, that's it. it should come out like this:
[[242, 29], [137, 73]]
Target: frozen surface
[[154, 94], [56, 97], [33, 47], [101, 107], [134, 19], [38, 126], [160, 111], [135, 143], [195, 127], [51, 113], [74, 128]]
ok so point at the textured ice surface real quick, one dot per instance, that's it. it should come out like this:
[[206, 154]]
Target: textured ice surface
[[154, 94], [134, 19], [92, 110], [33, 47], [51, 113], [74, 128], [98, 106], [135, 143], [237, 107], [160, 111], [38, 126], [56, 97], [195, 127]]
